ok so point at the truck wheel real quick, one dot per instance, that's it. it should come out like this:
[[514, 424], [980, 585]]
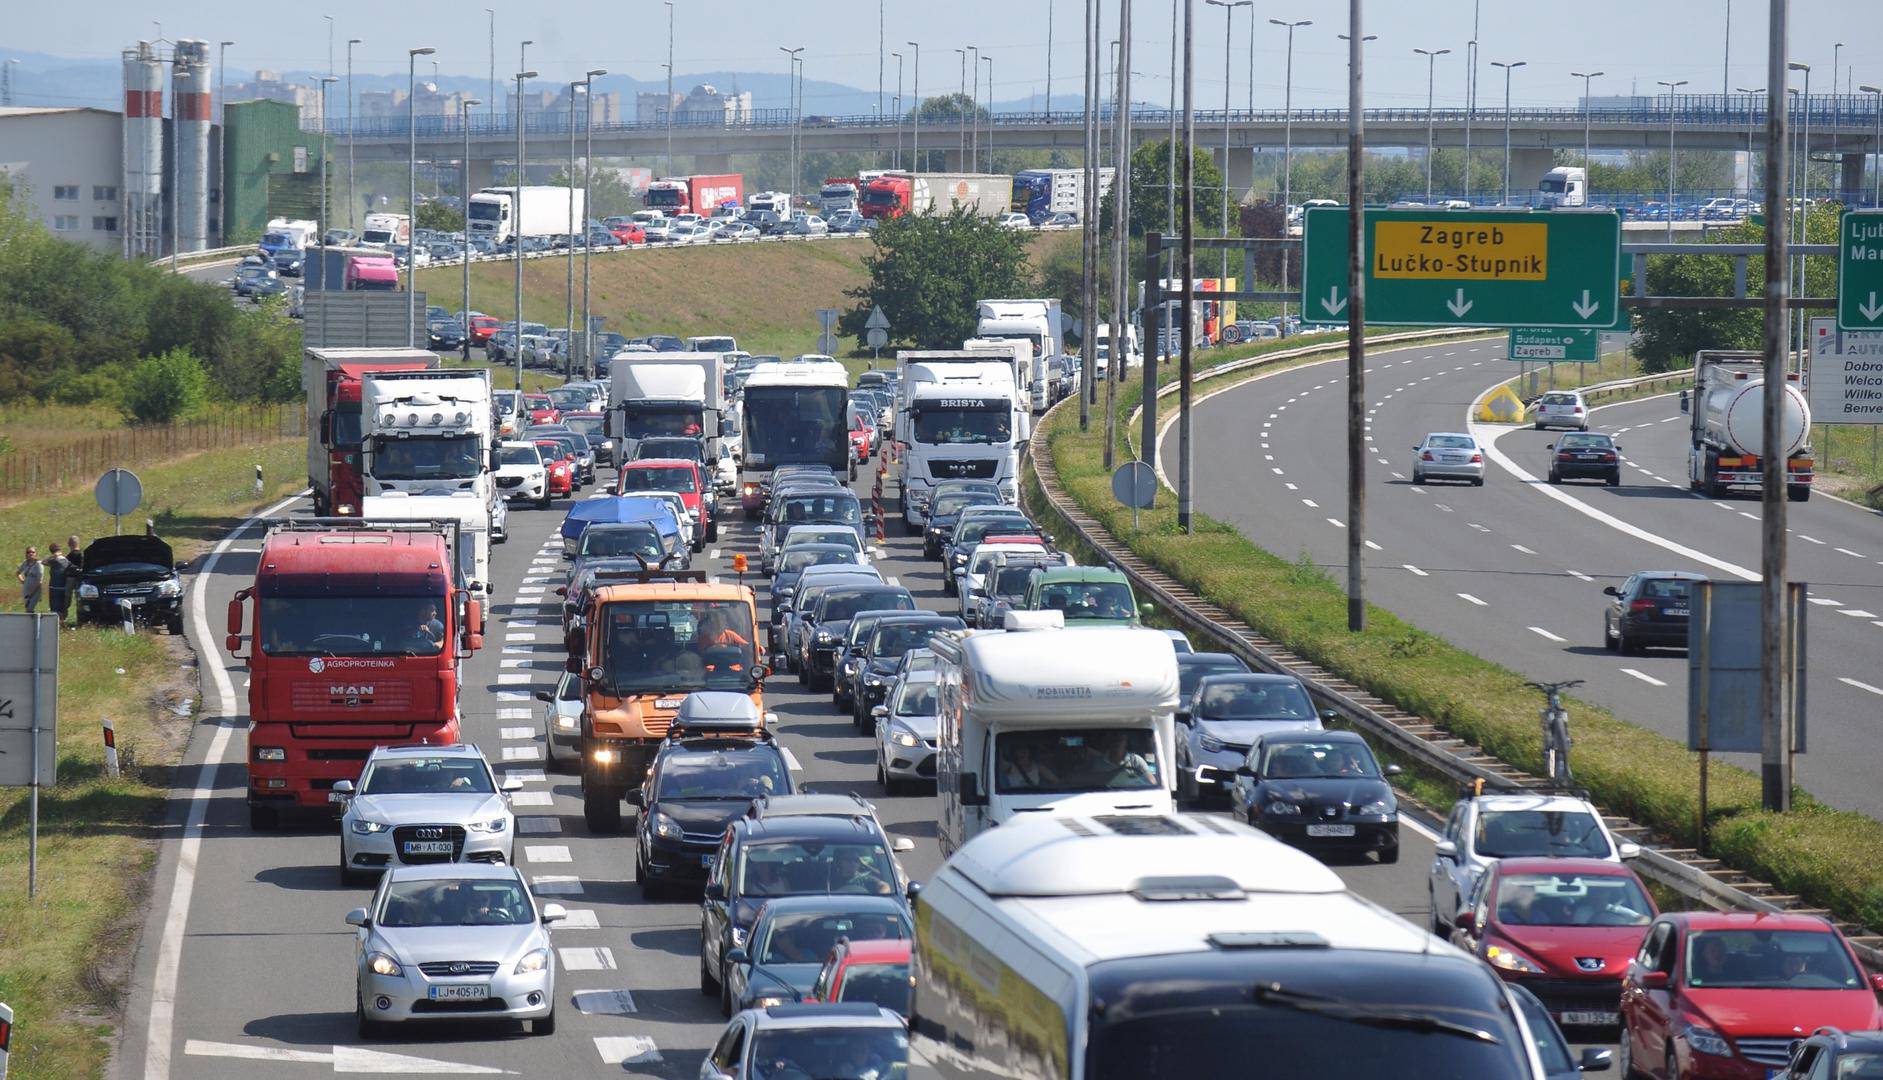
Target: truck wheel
[[1798, 492], [601, 810]]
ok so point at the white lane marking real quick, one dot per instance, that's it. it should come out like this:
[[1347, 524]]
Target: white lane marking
[[1291, 487], [1468, 598], [1443, 508], [1861, 685], [1578, 575], [1852, 554], [1858, 613], [1546, 633], [1275, 470], [1268, 457], [539, 825], [519, 637], [896, 583], [513, 714], [1416, 570], [713, 554], [791, 760], [580, 919], [532, 798], [1644, 677], [602, 1002], [527, 776], [345, 1059], [1399, 476], [1810, 539], [1480, 528], [518, 733], [547, 853], [1372, 545], [1824, 601], [1311, 503], [163, 996], [513, 695], [586, 958], [556, 885], [626, 1050], [1523, 549], [1337, 523], [523, 753], [513, 678], [514, 663], [1748, 517]]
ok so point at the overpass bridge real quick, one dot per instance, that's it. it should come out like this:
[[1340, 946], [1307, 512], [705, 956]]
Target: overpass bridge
[[1839, 127]]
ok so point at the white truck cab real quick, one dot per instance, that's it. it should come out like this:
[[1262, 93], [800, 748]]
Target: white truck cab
[[959, 416], [1563, 186]]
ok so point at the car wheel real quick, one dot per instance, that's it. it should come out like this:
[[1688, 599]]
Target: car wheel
[[712, 530], [651, 890], [1614, 478], [1623, 645], [543, 503], [545, 1025], [601, 811], [348, 878], [725, 997], [1418, 477], [1388, 856], [368, 1029], [1477, 481], [1673, 1064], [1539, 425], [1555, 477], [1439, 928]]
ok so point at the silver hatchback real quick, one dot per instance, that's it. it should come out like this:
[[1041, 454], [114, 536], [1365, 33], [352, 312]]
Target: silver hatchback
[[1447, 455]]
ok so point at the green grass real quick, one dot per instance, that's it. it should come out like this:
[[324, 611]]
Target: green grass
[[65, 955], [1833, 858]]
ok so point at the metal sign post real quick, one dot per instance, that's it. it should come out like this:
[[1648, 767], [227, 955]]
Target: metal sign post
[[827, 337], [876, 334], [1135, 485], [29, 751]]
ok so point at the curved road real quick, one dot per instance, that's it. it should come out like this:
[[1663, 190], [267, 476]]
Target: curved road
[[1514, 571]]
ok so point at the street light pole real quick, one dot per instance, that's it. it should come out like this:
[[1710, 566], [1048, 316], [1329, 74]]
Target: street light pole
[[898, 57], [792, 83], [1229, 26], [464, 185], [915, 94], [1671, 87], [1751, 101], [961, 135], [1118, 335], [493, 99], [1088, 225], [1586, 77], [568, 346], [588, 193], [669, 100], [516, 241], [352, 199], [1508, 68], [1288, 151], [974, 110], [1774, 620], [1356, 323], [1431, 73], [411, 190], [1049, 61], [325, 82], [989, 61]]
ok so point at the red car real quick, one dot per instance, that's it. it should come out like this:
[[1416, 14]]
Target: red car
[[862, 437], [558, 466], [1564, 928], [541, 410], [681, 476], [482, 326], [1725, 995], [629, 232], [876, 972]]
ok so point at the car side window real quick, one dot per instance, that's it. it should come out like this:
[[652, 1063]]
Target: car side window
[[1480, 901], [571, 688], [1451, 822], [1649, 956], [731, 1044], [1628, 587]]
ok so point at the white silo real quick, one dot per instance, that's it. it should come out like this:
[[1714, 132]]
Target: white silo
[[190, 113], [143, 150]]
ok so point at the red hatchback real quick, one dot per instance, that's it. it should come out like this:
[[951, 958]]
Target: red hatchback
[[876, 972], [482, 326], [1564, 928], [681, 476], [541, 410], [558, 467], [1725, 995], [629, 232], [862, 437]]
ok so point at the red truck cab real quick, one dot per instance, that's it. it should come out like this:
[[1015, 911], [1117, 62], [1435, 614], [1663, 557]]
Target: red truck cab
[[340, 434], [885, 197], [354, 642]]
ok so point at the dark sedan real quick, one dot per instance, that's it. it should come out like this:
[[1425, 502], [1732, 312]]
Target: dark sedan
[[1586, 455], [1319, 789], [1650, 608]]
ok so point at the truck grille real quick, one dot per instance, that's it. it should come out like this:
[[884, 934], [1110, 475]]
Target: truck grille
[[439, 969], [406, 833], [962, 468], [366, 696]]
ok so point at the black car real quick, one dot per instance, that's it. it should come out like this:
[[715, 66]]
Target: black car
[[445, 335], [822, 628], [1586, 455], [881, 653], [288, 263], [944, 509], [967, 535], [1855, 1055], [684, 447], [1650, 608], [1193, 667], [1319, 789], [694, 788], [847, 660], [137, 570]]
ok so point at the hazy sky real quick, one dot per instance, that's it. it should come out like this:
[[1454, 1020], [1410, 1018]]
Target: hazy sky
[[1635, 41]]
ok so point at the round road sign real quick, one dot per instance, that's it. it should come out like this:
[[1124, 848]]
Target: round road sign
[[1135, 485], [119, 491], [875, 338]]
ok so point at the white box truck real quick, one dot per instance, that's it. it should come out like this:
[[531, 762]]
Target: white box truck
[[1041, 718], [385, 230], [499, 213], [983, 194], [476, 529], [1563, 186], [429, 433], [653, 394]]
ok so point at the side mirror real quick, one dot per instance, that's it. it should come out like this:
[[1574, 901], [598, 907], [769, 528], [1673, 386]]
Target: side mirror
[[1876, 982], [1447, 849], [634, 797], [545, 695], [970, 792], [1596, 1059], [357, 917], [1654, 980], [1244, 770], [1549, 446], [342, 787], [1145, 609], [554, 913], [736, 956], [562, 591], [235, 619], [1393, 770], [913, 890], [474, 616], [1610, 590], [903, 843], [879, 711], [181, 566], [510, 783], [1627, 850], [715, 891], [572, 665], [1184, 718], [1466, 920], [477, 636], [1330, 715]]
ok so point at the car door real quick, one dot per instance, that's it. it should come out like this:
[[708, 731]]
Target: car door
[[1619, 603], [1646, 1011], [728, 1054], [713, 912], [1444, 876]]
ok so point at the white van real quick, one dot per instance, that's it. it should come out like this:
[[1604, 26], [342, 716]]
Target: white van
[[1120, 948]]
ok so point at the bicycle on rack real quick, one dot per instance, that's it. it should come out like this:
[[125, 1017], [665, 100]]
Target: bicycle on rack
[[1556, 732]]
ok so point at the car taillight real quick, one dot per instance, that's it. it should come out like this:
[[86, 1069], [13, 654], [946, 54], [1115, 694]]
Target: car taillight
[[1427, 456], [1577, 409], [1610, 457], [1642, 605], [1477, 459], [1565, 457]]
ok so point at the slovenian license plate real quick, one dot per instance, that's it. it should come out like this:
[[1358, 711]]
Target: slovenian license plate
[[460, 992], [427, 847], [1330, 830], [1589, 1018], [707, 859]]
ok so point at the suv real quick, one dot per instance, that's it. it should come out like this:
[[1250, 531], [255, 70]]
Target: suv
[[1562, 408], [1830, 1052], [718, 757], [1484, 828], [1084, 595], [521, 473], [1650, 608]]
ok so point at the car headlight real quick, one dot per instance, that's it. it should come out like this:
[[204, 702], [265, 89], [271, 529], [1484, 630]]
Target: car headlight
[[494, 825], [88, 591], [270, 753], [169, 587], [367, 827], [1705, 1040], [850, 666], [666, 827], [380, 964], [766, 1001], [902, 736], [738, 937], [1511, 960], [534, 960], [1209, 744], [824, 637], [566, 722], [1282, 809], [1378, 806], [870, 678]]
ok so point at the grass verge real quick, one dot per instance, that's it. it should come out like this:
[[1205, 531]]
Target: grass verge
[[65, 955], [1832, 858]]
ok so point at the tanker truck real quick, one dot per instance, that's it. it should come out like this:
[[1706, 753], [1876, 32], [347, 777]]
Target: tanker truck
[[1726, 411]]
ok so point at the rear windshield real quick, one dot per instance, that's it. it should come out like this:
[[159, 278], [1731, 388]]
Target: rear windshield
[[836, 509], [797, 559], [840, 606], [1508, 834], [661, 478], [1580, 441], [1451, 442]]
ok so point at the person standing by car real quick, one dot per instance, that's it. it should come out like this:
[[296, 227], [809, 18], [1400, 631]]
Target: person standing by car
[[75, 556], [61, 580], [31, 576]]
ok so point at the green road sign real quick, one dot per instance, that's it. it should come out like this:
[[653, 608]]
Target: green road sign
[[1547, 269], [1860, 271], [1555, 346]]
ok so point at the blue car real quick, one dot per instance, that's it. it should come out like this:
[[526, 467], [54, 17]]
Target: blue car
[[616, 508], [792, 935]]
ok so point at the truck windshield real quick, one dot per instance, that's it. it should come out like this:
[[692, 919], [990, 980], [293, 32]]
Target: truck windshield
[[787, 425], [486, 210], [453, 457], [963, 420], [652, 423], [665, 198], [675, 645], [347, 425], [1076, 759], [352, 625], [879, 197]]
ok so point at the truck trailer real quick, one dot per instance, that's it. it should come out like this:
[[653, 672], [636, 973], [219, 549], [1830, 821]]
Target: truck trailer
[[1726, 412], [1041, 193], [499, 214], [895, 194], [332, 380]]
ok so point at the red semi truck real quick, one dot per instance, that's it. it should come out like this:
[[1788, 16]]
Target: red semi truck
[[332, 380], [695, 194], [354, 642]]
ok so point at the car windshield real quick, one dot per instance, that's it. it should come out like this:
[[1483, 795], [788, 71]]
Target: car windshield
[[1189, 675], [519, 455], [801, 536], [1508, 834], [971, 531], [898, 638], [1769, 960], [917, 699], [1097, 759], [426, 776], [796, 559], [642, 540], [657, 478], [1319, 760], [1560, 399], [1450, 442], [590, 427], [1266, 700], [1088, 599], [841, 605], [832, 1053], [1011, 581], [352, 626], [836, 508], [1571, 900], [1580, 441], [806, 938], [675, 645], [1860, 1067], [887, 985], [722, 774], [451, 457], [468, 902], [812, 867]]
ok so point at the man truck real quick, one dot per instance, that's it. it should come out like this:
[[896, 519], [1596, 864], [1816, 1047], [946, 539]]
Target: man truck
[[499, 214], [429, 432], [1726, 410], [959, 416], [333, 380]]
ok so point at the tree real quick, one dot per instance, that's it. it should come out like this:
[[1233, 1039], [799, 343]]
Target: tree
[[928, 270], [953, 109], [1151, 183], [163, 387], [608, 193], [436, 215]]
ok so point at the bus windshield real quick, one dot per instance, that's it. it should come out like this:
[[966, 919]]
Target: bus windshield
[[795, 425]]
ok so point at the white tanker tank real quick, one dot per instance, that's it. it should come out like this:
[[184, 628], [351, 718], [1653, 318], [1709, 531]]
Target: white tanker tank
[[1727, 410]]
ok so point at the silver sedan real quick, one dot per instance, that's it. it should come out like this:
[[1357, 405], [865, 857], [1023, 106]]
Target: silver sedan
[[424, 804], [1446, 455]]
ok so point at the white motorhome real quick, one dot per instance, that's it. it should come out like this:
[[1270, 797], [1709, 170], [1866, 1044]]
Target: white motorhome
[[959, 416], [477, 525], [385, 230], [671, 393], [777, 202], [1043, 718], [1092, 947], [429, 433]]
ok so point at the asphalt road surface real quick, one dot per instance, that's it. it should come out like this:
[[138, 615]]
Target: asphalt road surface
[[1514, 571], [245, 968]]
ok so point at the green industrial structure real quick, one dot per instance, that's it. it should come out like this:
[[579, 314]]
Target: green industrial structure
[[271, 168]]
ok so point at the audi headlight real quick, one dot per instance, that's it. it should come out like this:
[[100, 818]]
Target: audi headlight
[[381, 964], [534, 960], [1282, 809], [1511, 960], [1378, 806], [494, 825], [367, 827], [902, 736], [666, 827], [88, 591], [1705, 1040]]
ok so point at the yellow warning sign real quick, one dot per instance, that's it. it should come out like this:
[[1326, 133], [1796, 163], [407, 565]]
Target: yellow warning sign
[[1500, 406], [1474, 251]]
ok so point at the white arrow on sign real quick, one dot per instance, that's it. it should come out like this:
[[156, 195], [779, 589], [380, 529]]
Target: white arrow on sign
[[1872, 309], [1459, 305], [1586, 307], [344, 1059], [1334, 304]]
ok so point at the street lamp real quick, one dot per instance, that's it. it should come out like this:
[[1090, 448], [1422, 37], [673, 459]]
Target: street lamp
[[669, 87], [1586, 77], [1751, 100], [1508, 68], [1288, 151], [411, 188], [492, 100], [961, 137], [1672, 86], [793, 85], [588, 178], [1431, 73], [351, 199], [222, 75], [325, 281], [1804, 152], [516, 241], [576, 89], [1229, 24], [1876, 147], [915, 94], [464, 187], [989, 61], [973, 117], [898, 57]]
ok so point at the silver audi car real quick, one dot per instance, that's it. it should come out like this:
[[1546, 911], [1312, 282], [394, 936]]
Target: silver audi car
[[424, 804], [454, 942]]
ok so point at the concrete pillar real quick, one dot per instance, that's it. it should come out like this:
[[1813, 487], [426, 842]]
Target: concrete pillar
[[707, 164], [1240, 170], [1527, 166], [1850, 179]]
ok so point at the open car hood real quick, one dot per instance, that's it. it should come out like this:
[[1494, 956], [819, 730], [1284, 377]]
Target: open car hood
[[101, 554]]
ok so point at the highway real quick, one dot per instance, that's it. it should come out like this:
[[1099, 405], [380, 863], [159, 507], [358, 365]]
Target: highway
[[245, 969], [1514, 571]]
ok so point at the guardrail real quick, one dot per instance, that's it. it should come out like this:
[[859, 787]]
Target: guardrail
[[193, 259], [1684, 870]]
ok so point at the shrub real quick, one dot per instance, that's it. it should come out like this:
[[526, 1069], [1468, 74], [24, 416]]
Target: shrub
[[164, 387]]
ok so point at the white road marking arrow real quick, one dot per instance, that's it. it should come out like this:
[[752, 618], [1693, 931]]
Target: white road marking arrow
[[1459, 305], [1335, 305], [1585, 308], [1872, 309], [344, 1059]]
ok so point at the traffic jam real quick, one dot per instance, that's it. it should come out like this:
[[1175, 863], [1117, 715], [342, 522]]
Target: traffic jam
[[1137, 842]]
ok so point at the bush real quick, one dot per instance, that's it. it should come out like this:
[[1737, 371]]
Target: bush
[[164, 387]]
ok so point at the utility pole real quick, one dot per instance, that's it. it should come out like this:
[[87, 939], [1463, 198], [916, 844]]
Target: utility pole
[[1431, 73], [669, 101], [493, 99], [915, 94], [1471, 93], [1508, 68], [1726, 55], [1049, 61], [1671, 87], [1586, 76], [1117, 336], [1876, 146], [989, 61], [516, 242], [411, 189], [792, 84], [1088, 221], [974, 110], [352, 199], [898, 57], [588, 190], [1229, 26], [1356, 323], [1288, 151], [1186, 445], [568, 350], [1774, 616], [464, 120]]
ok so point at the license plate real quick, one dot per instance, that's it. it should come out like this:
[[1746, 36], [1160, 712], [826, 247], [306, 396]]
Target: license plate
[[668, 702], [336, 796], [1590, 1018], [1675, 612], [1330, 830], [134, 601], [706, 859], [464, 992], [428, 847]]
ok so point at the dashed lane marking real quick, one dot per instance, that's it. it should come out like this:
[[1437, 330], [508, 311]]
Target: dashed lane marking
[[1825, 601], [556, 885], [1546, 634], [1852, 554], [532, 798], [547, 853], [580, 919], [513, 714], [539, 825], [527, 776], [1337, 523], [518, 733], [1372, 545], [1311, 504], [602, 1002], [1523, 549], [627, 1050], [1416, 570], [523, 753], [1810, 539], [1858, 613], [1643, 676], [1861, 685], [586, 958], [1468, 598], [1578, 575]]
